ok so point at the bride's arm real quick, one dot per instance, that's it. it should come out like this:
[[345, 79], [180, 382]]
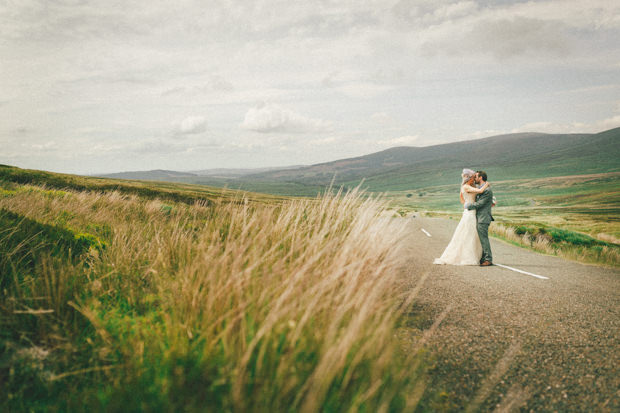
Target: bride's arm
[[462, 199], [477, 190]]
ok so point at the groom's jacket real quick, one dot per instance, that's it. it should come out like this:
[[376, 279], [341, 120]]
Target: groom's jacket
[[483, 205]]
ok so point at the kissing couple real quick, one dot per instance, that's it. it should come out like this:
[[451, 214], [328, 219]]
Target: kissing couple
[[470, 243]]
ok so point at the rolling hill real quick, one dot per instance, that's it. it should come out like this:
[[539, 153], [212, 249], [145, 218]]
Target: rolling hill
[[177, 176], [528, 155], [163, 190], [154, 175], [503, 157]]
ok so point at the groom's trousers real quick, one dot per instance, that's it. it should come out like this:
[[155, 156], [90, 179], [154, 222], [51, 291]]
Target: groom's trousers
[[483, 234]]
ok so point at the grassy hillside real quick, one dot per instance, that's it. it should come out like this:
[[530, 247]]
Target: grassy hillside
[[513, 156], [179, 192], [119, 296], [529, 155], [504, 157]]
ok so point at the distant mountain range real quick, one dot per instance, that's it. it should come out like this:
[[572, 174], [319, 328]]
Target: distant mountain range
[[166, 175], [154, 175], [527, 155]]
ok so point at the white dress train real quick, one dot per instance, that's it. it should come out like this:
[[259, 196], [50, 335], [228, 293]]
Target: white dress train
[[464, 247]]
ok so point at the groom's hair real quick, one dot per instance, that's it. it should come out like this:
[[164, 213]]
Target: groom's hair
[[483, 175]]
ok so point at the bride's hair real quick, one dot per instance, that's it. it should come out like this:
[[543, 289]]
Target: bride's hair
[[467, 175], [469, 181]]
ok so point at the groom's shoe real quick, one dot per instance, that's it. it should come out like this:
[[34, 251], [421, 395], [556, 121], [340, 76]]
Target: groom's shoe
[[486, 264]]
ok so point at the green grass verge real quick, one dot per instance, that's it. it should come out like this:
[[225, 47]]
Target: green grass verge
[[560, 242]]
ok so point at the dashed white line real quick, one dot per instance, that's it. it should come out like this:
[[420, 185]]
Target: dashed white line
[[426, 232], [522, 272]]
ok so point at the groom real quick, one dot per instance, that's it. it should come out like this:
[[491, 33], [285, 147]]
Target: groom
[[483, 204]]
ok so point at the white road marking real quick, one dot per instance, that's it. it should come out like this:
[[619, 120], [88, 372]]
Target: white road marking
[[522, 272], [426, 232]]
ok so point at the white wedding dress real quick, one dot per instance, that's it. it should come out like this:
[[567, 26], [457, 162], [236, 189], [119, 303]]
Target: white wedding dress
[[464, 247]]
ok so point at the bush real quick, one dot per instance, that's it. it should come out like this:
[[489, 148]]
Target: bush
[[574, 238]]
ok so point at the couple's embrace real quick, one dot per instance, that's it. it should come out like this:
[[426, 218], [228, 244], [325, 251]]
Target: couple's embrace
[[470, 243]]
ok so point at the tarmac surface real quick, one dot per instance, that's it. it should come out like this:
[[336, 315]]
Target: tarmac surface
[[502, 340]]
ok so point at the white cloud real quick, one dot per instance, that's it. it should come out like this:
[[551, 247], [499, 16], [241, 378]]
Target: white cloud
[[430, 12], [339, 77], [156, 146], [595, 89], [481, 134], [363, 90], [501, 36], [571, 127], [595, 14], [408, 140], [175, 90], [324, 141], [381, 117], [517, 36], [546, 127], [215, 85], [510, 30], [270, 117], [192, 125], [219, 84], [44, 146], [610, 123]]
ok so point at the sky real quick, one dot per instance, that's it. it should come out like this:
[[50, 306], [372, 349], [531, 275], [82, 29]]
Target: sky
[[106, 86]]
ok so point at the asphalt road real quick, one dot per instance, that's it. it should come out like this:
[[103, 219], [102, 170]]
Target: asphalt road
[[500, 340]]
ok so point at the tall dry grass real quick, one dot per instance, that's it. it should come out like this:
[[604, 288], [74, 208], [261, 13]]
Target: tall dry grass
[[233, 306]]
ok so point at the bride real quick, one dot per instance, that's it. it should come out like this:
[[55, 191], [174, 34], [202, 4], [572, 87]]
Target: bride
[[464, 247]]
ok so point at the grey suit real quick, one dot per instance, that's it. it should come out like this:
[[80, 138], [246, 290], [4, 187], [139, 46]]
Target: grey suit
[[483, 206]]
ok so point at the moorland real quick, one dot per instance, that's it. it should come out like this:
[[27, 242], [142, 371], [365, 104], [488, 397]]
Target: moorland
[[125, 296], [137, 295]]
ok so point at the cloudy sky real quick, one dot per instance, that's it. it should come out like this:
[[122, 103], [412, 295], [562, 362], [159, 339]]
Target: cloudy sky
[[104, 86]]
